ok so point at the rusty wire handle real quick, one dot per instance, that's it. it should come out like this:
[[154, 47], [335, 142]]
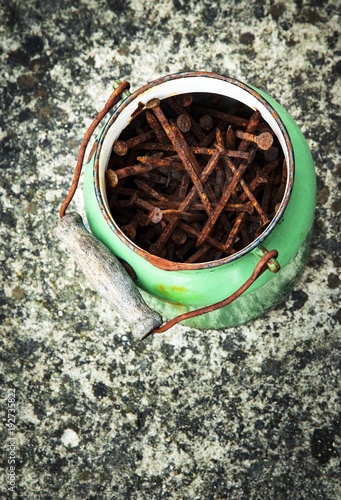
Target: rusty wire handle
[[113, 99], [258, 271]]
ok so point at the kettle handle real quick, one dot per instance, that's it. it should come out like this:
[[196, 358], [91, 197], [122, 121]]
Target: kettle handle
[[121, 92], [107, 275]]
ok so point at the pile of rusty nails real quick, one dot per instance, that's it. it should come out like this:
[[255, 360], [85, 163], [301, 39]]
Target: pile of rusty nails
[[190, 182]]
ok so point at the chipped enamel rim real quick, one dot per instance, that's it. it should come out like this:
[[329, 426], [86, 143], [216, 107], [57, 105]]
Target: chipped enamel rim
[[162, 88]]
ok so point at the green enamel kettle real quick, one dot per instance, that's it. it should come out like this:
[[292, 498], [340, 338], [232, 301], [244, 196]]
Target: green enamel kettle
[[241, 286]]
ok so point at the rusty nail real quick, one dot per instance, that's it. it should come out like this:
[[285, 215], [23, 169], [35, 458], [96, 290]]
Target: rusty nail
[[155, 213], [235, 230], [271, 154], [111, 179], [212, 100], [191, 231], [182, 250], [199, 254], [180, 110], [219, 181], [184, 100], [170, 247], [155, 126], [257, 181], [166, 204], [149, 190], [230, 138], [263, 140], [170, 161], [221, 115], [183, 186], [267, 192], [121, 147], [245, 236], [184, 123], [179, 236], [189, 216], [195, 149], [206, 122]]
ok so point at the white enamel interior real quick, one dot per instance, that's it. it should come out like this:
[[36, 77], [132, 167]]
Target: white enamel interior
[[175, 87]]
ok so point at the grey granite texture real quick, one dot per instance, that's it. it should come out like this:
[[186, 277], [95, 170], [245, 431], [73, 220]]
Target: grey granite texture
[[251, 412]]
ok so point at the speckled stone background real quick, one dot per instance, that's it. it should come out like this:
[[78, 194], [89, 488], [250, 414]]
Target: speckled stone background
[[246, 413]]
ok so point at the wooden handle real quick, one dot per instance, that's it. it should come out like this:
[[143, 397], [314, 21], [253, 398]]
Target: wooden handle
[[107, 275]]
